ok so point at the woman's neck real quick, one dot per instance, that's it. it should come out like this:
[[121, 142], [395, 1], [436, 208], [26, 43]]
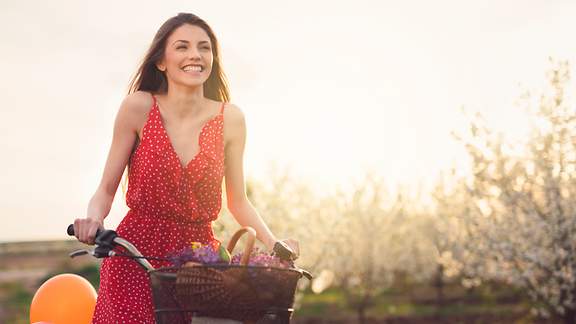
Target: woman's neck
[[185, 101]]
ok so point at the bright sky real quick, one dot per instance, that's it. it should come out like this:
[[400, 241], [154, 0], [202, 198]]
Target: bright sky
[[330, 89]]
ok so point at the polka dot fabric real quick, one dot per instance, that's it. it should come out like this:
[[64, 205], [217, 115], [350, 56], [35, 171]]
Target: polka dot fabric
[[171, 205]]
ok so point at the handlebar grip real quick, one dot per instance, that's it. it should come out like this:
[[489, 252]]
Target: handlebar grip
[[283, 251], [70, 230]]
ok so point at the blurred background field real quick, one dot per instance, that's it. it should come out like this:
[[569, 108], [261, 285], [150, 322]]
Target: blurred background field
[[401, 303]]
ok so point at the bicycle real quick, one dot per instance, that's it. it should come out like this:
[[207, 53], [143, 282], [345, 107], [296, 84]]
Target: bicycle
[[261, 294]]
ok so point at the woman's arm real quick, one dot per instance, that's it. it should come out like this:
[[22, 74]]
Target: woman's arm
[[131, 115], [237, 201]]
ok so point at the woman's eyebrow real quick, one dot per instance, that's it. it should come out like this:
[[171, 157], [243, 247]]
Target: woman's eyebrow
[[187, 42]]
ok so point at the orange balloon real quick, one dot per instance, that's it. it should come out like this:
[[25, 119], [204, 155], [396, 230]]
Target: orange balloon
[[64, 299]]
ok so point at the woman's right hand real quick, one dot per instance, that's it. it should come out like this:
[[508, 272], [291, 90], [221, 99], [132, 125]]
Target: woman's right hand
[[85, 229]]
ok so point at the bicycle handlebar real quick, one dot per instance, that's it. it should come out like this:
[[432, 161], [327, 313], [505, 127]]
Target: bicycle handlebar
[[107, 240], [281, 249]]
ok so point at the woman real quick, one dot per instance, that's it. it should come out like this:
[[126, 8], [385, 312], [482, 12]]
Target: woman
[[179, 137]]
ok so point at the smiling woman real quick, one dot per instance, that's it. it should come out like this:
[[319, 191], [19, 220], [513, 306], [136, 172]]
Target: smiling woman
[[179, 137]]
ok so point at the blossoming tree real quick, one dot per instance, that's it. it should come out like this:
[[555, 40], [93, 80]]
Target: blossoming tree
[[524, 200]]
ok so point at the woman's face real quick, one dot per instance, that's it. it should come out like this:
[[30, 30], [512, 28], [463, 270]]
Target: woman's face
[[187, 56]]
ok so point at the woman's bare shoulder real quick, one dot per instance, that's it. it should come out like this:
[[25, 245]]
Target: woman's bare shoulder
[[234, 124], [134, 110], [233, 114], [138, 103]]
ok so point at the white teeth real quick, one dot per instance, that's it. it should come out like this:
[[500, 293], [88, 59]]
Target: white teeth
[[196, 68]]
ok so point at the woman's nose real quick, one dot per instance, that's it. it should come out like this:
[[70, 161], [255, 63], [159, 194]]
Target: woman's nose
[[193, 53]]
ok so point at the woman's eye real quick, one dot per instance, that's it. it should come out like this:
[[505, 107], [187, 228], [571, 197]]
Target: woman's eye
[[181, 47]]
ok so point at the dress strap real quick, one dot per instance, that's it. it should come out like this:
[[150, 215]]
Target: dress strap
[[148, 119], [153, 100], [222, 109]]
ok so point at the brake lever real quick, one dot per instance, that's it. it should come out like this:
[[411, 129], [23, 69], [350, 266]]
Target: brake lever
[[99, 252], [306, 274], [79, 253]]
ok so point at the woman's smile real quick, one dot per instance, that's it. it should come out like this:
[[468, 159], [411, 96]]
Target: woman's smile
[[193, 68]]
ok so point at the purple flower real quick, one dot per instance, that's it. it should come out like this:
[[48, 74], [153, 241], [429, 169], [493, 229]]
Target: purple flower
[[261, 258], [204, 254]]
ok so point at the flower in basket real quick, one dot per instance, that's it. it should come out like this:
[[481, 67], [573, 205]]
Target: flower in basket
[[261, 258], [199, 253]]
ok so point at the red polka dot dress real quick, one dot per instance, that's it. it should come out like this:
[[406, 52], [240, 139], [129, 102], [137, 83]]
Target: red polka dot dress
[[171, 205]]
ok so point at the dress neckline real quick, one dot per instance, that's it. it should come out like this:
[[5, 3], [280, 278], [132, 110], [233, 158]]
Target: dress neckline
[[199, 139]]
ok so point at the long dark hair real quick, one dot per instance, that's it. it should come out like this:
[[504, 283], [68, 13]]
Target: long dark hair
[[149, 78]]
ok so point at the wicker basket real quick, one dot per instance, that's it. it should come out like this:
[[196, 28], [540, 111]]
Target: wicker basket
[[238, 292]]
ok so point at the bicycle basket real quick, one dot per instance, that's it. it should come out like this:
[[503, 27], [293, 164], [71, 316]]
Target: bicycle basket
[[239, 292], [228, 291]]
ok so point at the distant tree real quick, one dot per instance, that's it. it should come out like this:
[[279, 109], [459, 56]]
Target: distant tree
[[523, 219], [370, 242], [446, 232]]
